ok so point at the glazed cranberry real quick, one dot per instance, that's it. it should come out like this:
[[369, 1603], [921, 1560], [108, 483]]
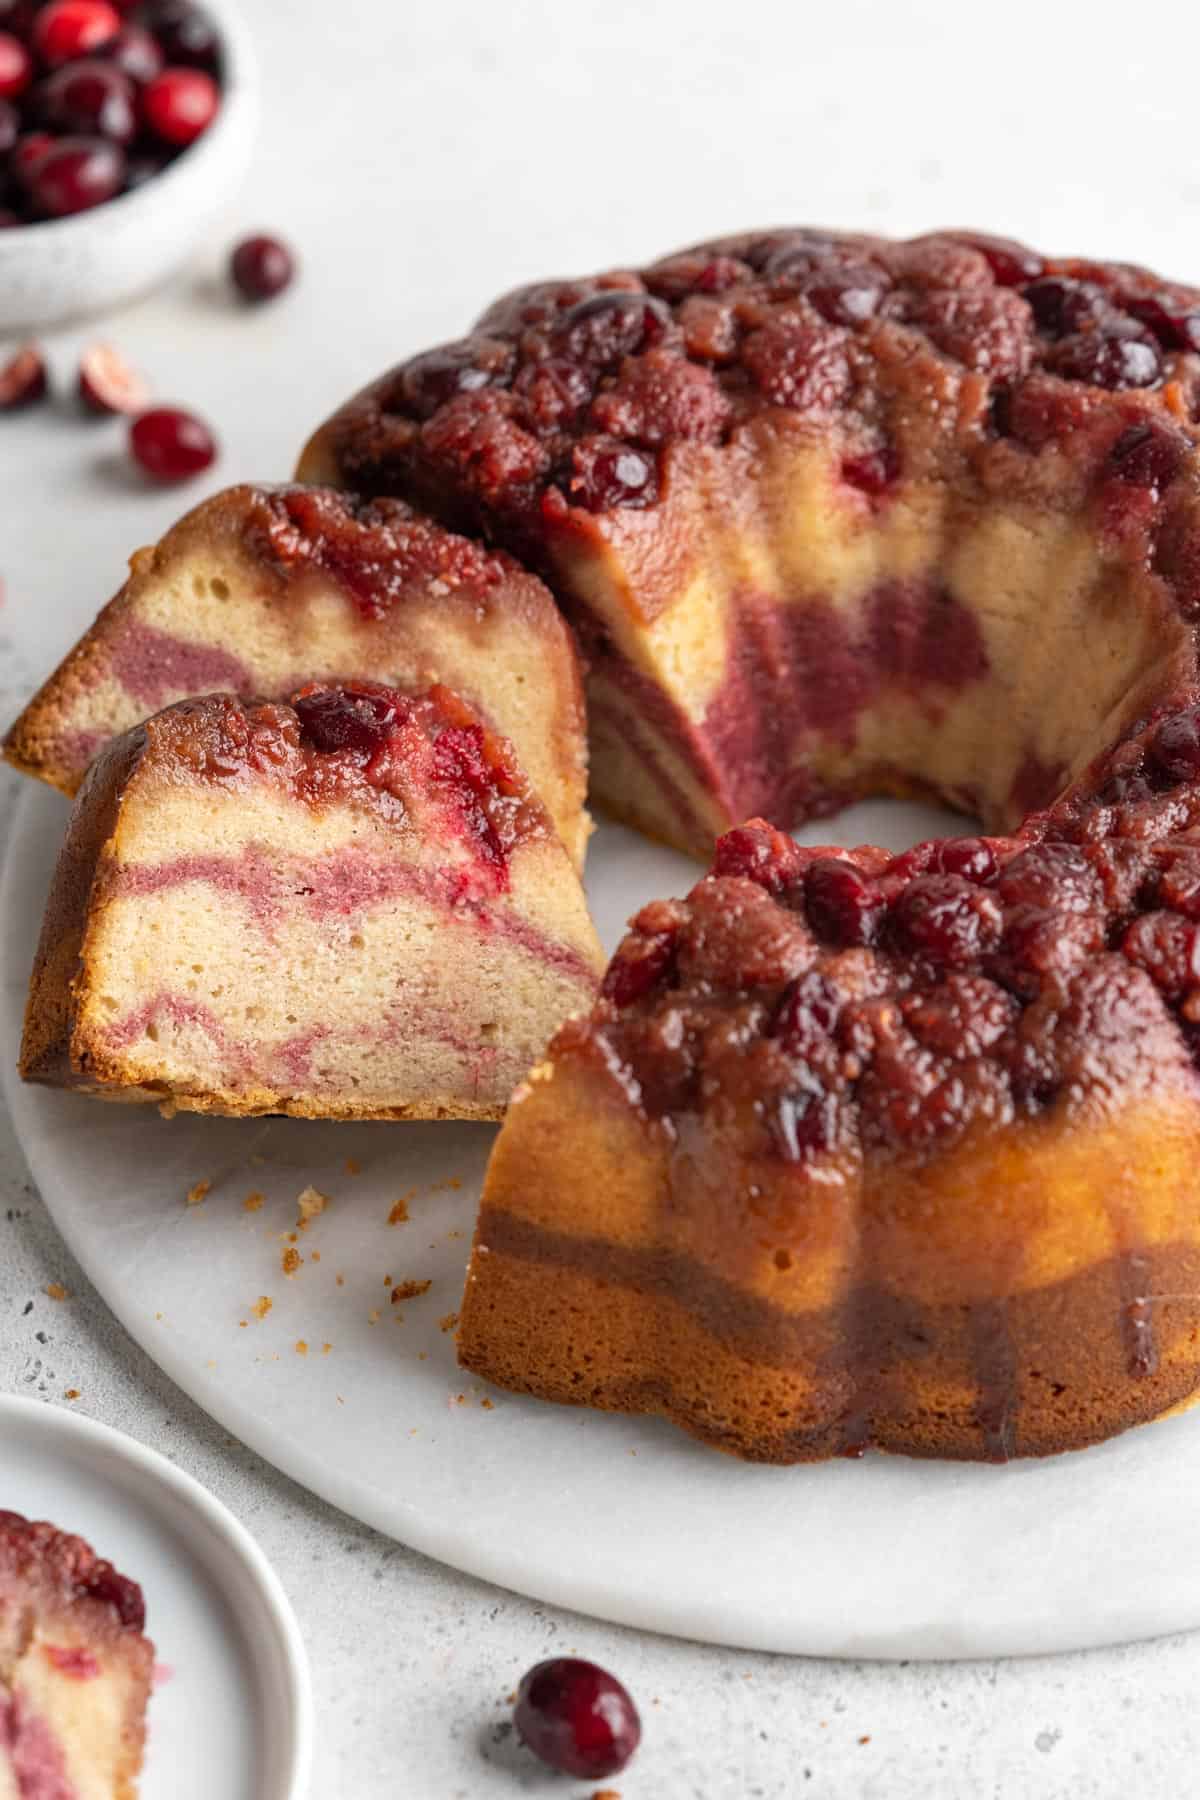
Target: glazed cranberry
[[1106, 360], [22, 379], [1168, 948], [171, 445], [1061, 304], [846, 296], [1175, 328], [1146, 455], [67, 29], [108, 385], [873, 472], [104, 1584], [180, 104], [969, 857], [10, 126], [188, 34], [759, 853], [345, 718], [1011, 263], [92, 99], [843, 905], [1175, 746], [16, 66], [261, 267], [429, 380], [553, 391], [1179, 882], [577, 1718], [796, 255], [606, 473], [136, 53], [76, 173], [608, 326], [804, 1119], [947, 918], [639, 965], [808, 1010]]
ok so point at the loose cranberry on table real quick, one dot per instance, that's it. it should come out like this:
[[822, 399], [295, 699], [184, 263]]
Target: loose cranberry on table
[[180, 104], [108, 385], [22, 378], [171, 445], [261, 267], [577, 1718]]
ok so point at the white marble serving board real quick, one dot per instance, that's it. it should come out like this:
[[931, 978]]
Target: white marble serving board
[[626, 1519]]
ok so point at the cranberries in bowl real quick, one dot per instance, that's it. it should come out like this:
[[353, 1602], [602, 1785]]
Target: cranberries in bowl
[[118, 145]]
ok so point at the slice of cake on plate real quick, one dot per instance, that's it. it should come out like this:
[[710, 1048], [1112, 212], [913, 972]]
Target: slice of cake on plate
[[261, 589], [350, 906], [76, 1669]]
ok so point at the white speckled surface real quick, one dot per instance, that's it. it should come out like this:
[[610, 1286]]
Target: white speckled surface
[[422, 159]]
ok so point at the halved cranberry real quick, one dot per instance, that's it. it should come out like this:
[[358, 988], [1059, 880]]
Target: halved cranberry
[[261, 267], [606, 473], [188, 34], [76, 173], [117, 1591], [354, 718], [180, 104], [1147, 456], [971, 857], [136, 53], [108, 385], [91, 98], [873, 472], [172, 445], [577, 1718], [23, 378], [67, 29], [605, 327], [1106, 359], [1175, 746], [947, 918], [843, 905], [16, 66]]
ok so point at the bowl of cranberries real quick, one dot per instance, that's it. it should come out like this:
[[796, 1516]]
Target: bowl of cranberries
[[124, 127]]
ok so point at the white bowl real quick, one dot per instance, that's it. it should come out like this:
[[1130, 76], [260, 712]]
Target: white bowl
[[69, 268]]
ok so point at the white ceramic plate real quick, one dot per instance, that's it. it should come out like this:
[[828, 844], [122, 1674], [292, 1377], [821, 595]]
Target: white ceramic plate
[[231, 1713], [626, 1519]]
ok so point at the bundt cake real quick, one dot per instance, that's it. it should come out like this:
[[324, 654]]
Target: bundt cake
[[262, 589], [831, 514], [349, 906], [75, 1669], [867, 1150]]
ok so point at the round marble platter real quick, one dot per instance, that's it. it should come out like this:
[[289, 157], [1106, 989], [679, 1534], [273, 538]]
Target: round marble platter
[[361, 1399]]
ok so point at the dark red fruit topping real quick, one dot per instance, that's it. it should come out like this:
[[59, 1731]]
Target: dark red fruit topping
[[973, 858], [346, 718], [1168, 948], [261, 267], [808, 1011], [873, 472], [606, 473], [1147, 455], [606, 327], [844, 906], [172, 445], [136, 53], [74, 174], [123, 1595], [90, 98], [429, 380], [640, 964], [846, 296], [1175, 327], [577, 1718], [16, 66], [1061, 304], [759, 853], [27, 154], [67, 29], [947, 919], [180, 104], [1175, 746], [23, 379], [1107, 360], [1011, 263], [108, 385]]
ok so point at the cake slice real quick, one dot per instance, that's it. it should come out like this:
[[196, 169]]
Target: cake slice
[[76, 1669], [350, 906], [261, 589], [832, 514]]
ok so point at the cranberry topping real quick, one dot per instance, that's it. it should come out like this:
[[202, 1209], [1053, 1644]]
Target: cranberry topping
[[27, 154], [759, 852], [91, 98], [1168, 948], [973, 858], [74, 174], [848, 295], [23, 379], [172, 445], [606, 327], [67, 29], [1147, 455], [429, 380], [1061, 304], [356, 718], [843, 905], [261, 267], [1107, 360], [947, 918], [1175, 327], [808, 1011], [124, 1596], [1012, 265], [606, 473], [1175, 746], [577, 1718], [641, 963], [179, 104], [16, 66]]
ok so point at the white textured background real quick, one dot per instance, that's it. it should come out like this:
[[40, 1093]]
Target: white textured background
[[422, 158]]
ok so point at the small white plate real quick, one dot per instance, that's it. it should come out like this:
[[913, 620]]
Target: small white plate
[[232, 1711]]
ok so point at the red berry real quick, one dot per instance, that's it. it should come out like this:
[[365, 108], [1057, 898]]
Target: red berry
[[28, 153], [345, 718], [22, 379], [607, 473], [261, 267], [171, 445], [69, 28], [10, 126], [136, 53], [16, 66], [107, 384], [76, 173], [844, 906], [948, 918], [188, 36], [92, 99], [1175, 746], [577, 1718], [180, 104]]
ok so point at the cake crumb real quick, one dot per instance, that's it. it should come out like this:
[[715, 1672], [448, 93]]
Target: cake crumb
[[440, 1187], [387, 1281], [71, 1394], [341, 1280], [448, 1321], [254, 1202], [200, 1191], [262, 1306], [301, 1347], [607, 1794], [422, 1356], [325, 1349], [410, 1290], [291, 1261], [312, 1203], [373, 1316], [353, 1166], [866, 1739], [56, 1291], [488, 1405], [399, 1212]]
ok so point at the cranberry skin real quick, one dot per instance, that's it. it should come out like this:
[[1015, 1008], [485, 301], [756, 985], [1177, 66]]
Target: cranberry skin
[[971, 857], [1174, 330], [947, 918], [429, 380], [873, 472], [605, 327], [171, 445], [1175, 746], [23, 379], [640, 964], [16, 66], [607, 473], [136, 53], [577, 1718], [1106, 360], [846, 296], [1146, 456], [90, 99], [108, 385], [345, 718], [808, 1010], [76, 173], [759, 853], [67, 29], [180, 104], [187, 34], [1060, 304], [843, 905], [261, 267], [1011, 263]]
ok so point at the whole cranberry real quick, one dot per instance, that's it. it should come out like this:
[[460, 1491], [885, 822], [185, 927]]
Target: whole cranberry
[[873, 472], [1106, 360], [345, 718], [16, 66], [607, 473], [180, 104], [67, 29], [1175, 327], [428, 380], [947, 918], [605, 327], [843, 905], [1061, 304], [188, 35], [261, 267], [1175, 746], [1011, 263], [92, 99], [27, 154], [171, 445], [640, 964], [577, 1718], [1147, 455], [136, 53], [76, 173], [971, 857]]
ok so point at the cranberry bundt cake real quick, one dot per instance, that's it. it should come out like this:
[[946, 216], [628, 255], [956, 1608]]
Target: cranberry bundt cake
[[262, 589], [831, 514], [349, 906], [75, 1669], [867, 1150]]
